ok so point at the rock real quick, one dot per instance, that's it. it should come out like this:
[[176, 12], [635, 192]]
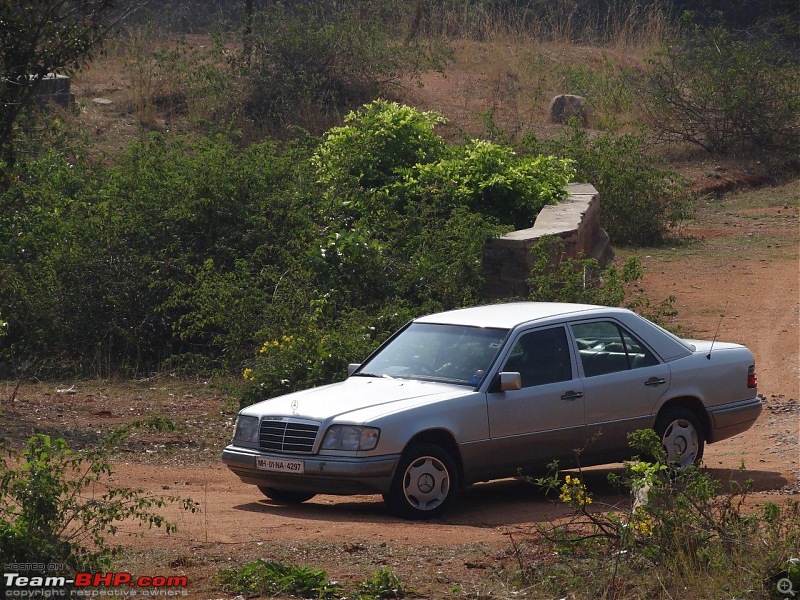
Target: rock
[[566, 106]]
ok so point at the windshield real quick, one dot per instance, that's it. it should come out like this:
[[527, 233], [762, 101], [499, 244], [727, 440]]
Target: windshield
[[451, 353]]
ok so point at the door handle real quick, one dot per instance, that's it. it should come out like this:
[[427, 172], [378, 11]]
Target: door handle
[[653, 381], [571, 395]]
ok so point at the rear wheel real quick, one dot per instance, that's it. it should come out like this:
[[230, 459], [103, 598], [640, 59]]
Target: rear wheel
[[681, 436], [425, 483], [285, 496]]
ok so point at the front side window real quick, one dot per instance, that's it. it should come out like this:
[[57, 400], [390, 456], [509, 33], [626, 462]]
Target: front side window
[[429, 351], [541, 357], [604, 347]]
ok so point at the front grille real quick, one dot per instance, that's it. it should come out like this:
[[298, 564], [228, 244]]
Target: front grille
[[288, 436]]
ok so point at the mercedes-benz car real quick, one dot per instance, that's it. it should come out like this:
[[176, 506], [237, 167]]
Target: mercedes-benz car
[[491, 392]]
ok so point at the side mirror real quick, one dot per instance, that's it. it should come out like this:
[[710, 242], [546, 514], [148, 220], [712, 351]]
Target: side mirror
[[509, 381], [351, 368]]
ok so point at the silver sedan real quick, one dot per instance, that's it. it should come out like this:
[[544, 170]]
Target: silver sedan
[[490, 392]]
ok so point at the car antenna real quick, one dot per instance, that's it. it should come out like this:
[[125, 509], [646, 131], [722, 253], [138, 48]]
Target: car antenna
[[716, 333]]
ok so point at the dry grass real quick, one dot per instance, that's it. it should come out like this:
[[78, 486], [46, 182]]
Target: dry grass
[[505, 63], [622, 24]]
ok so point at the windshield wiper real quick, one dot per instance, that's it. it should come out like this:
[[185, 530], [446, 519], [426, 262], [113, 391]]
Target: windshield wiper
[[384, 376]]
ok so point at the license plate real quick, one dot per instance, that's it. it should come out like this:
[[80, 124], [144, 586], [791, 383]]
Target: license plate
[[281, 465]]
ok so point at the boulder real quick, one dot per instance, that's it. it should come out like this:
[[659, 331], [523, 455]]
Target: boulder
[[566, 106]]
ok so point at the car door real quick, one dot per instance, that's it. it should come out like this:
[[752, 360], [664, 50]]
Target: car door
[[544, 420], [622, 381]]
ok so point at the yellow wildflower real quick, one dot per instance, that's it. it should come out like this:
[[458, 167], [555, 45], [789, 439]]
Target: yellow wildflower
[[643, 523], [574, 491]]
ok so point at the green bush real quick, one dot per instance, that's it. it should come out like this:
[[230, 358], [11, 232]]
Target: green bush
[[192, 252], [375, 146], [724, 93], [683, 529], [180, 249], [412, 212], [57, 508], [383, 584], [557, 278], [389, 157], [492, 180], [316, 349], [639, 202], [261, 577]]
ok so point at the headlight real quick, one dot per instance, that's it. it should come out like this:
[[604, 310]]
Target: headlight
[[350, 437], [246, 429]]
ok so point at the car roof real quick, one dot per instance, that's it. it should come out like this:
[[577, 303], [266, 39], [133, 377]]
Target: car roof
[[511, 314]]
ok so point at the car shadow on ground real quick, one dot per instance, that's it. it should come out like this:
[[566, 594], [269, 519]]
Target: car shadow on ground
[[499, 503]]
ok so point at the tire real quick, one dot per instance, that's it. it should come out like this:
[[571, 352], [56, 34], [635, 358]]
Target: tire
[[681, 435], [285, 496], [425, 483]]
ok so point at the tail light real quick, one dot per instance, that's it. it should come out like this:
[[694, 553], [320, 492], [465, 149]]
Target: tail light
[[752, 379]]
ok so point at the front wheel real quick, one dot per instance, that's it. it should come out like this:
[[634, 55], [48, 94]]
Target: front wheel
[[425, 483], [285, 496], [681, 435]]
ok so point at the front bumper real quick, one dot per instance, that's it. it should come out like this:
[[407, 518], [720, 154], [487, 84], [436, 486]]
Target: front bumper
[[730, 419], [338, 475]]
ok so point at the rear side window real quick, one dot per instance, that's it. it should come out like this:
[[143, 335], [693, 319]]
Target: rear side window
[[605, 347]]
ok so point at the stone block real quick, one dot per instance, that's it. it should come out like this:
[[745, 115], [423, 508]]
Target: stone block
[[507, 260], [54, 88]]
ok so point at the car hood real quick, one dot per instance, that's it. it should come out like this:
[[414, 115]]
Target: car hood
[[357, 399]]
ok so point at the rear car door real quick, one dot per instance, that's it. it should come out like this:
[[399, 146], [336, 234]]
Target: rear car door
[[622, 380]]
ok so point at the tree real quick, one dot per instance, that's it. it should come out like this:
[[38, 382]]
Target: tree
[[38, 37]]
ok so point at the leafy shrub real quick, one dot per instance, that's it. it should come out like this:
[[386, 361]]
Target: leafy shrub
[[316, 350], [191, 251], [724, 93], [557, 278], [124, 267], [490, 179], [376, 145], [383, 584], [56, 508], [639, 202], [391, 153], [261, 577], [420, 210], [683, 529]]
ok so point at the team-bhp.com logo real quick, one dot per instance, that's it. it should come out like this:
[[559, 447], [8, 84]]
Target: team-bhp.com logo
[[23, 585]]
